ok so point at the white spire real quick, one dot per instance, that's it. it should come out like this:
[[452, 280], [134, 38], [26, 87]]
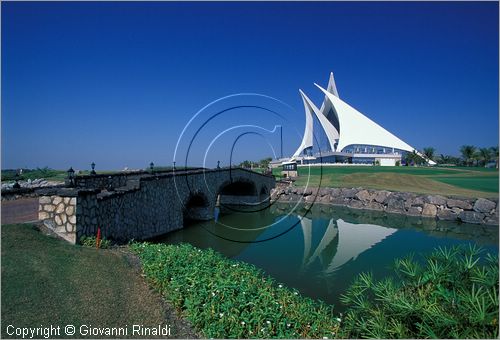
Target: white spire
[[331, 132], [332, 88], [307, 140]]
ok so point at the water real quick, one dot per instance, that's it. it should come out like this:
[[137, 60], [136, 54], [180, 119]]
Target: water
[[319, 252]]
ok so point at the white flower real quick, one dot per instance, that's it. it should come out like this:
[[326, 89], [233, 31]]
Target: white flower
[[221, 315], [281, 286], [288, 325], [242, 322], [296, 293], [268, 322], [338, 319], [325, 337], [213, 294]]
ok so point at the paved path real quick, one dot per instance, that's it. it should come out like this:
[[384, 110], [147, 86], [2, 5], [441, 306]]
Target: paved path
[[20, 211]]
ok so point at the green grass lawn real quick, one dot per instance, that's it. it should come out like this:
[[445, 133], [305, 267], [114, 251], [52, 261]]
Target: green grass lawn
[[46, 281], [452, 181]]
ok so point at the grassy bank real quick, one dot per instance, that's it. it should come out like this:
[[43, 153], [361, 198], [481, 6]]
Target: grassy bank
[[468, 182], [224, 298], [46, 281]]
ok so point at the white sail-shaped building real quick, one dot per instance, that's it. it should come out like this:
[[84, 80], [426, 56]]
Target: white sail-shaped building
[[352, 137]]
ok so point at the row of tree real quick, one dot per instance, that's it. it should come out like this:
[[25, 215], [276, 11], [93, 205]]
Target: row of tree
[[263, 163], [470, 156]]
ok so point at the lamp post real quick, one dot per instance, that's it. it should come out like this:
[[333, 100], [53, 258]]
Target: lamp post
[[151, 166], [173, 169], [218, 164], [71, 177], [93, 169]]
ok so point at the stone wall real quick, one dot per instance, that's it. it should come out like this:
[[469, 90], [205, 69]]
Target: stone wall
[[476, 211], [59, 214], [149, 205]]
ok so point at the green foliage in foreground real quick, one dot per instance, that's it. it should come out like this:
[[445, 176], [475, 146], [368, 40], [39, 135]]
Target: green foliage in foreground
[[90, 241], [454, 294], [229, 299]]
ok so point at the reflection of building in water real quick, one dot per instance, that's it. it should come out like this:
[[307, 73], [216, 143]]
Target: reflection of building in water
[[341, 242]]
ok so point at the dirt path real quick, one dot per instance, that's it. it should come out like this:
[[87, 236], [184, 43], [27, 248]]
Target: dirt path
[[19, 211]]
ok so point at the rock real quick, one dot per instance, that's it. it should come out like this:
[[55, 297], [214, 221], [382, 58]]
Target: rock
[[57, 200], [58, 220], [429, 210], [348, 193], [484, 205], [364, 195], [70, 210], [356, 204], [49, 208], [436, 200], [72, 219], [335, 192], [374, 206], [60, 208], [453, 203], [64, 218], [415, 211], [447, 215], [307, 192], [324, 199], [381, 196], [337, 200], [491, 220], [395, 205], [416, 202], [471, 217], [310, 198], [324, 192], [42, 215], [44, 200]]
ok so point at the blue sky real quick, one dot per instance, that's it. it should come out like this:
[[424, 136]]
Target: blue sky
[[115, 83]]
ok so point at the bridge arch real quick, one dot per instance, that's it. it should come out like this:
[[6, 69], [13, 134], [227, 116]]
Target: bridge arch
[[238, 191], [197, 207], [238, 187]]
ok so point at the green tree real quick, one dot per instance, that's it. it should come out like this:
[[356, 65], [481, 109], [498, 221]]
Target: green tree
[[264, 163], [412, 158], [246, 164], [429, 152], [485, 155], [467, 152], [494, 153]]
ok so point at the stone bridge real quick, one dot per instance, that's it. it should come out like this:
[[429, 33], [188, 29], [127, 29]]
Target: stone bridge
[[142, 205]]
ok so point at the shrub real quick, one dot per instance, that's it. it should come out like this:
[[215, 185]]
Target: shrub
[[225, 298], [453, 293], [90, 241]]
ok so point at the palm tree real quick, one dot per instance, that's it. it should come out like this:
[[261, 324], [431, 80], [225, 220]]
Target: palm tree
[[429, 152], [494, 154], [467, 152], [444, 159], [485, 155]]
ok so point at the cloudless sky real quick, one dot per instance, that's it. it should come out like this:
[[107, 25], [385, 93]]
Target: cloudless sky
[[115, 83]]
